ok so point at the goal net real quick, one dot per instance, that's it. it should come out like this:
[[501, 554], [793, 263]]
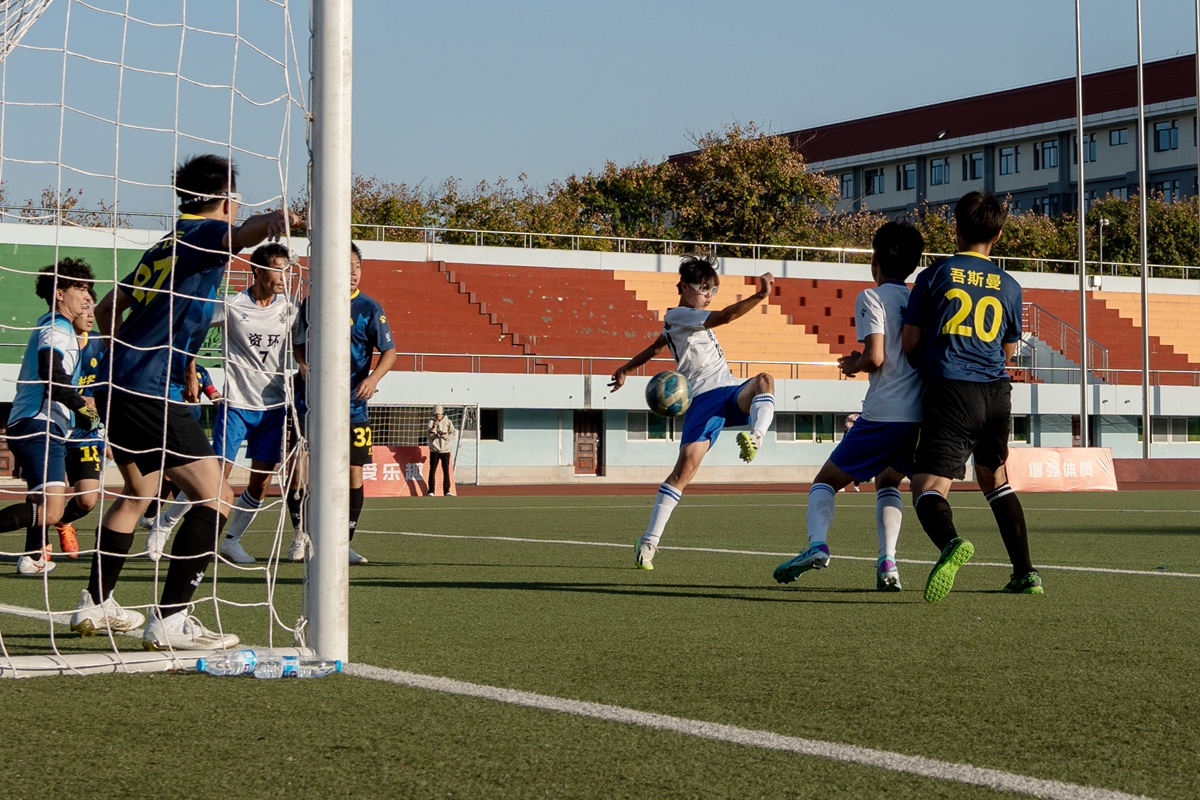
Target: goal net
[[103, 106]]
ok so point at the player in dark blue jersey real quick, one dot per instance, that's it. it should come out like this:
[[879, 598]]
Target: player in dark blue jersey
[[369, 332], [170, 299], [85, 447], [963, 322]]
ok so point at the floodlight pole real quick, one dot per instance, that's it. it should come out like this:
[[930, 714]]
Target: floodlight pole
[[328, 517], [1142, 235], [1081, 216]]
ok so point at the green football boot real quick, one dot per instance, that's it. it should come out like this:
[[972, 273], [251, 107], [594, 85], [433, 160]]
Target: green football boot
[[747, 446], [941, 578], [1029, 583]]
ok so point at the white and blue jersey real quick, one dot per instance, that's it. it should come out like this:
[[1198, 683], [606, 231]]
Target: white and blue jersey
[[699, 358], [33, 401], [369, 331], [174, 292]]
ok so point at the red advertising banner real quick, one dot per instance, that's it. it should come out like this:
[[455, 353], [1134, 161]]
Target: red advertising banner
[[399, 472], [1061, 469]]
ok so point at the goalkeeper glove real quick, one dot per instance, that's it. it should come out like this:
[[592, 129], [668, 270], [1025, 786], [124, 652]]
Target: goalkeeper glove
[[88, 418]]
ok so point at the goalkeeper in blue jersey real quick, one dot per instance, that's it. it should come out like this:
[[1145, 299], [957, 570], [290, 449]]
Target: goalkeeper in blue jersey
[[170, 299], [369, 332], [47, 407]]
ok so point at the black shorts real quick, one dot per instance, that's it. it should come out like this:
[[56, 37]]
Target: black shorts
[[963, 419], [360, 444], [84, 463], [360, 439], [141, 427]]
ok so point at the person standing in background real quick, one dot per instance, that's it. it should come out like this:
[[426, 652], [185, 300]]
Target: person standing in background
[[440, 432]]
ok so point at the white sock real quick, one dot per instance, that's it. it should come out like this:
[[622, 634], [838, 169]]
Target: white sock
[[174, 512], [664, 504], [762, 411], [241, 516], [889, 508], [820, 512]]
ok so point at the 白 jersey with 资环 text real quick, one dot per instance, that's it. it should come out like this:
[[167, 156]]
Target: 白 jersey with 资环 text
[[698, 354], [256, 344]]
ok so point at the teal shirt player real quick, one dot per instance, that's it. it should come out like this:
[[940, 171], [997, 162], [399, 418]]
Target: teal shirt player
[[966, 308]]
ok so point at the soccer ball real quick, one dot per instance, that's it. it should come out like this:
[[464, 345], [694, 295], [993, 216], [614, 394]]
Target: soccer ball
[[668, 394]]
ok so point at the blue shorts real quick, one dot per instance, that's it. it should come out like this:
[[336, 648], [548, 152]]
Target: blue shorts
[[869, 448], [41, 452], [261, 430], [712, 411]]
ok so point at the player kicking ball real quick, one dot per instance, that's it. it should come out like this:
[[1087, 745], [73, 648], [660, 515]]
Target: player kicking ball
[[881, 441], [965, 313], [719, 400]]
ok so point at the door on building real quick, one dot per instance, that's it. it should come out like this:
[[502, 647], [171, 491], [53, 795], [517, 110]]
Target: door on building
[[589, 442]]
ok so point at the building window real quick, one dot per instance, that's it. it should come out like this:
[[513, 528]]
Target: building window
[[875, 181], [1019, 430], [1043, 205], [642, 426], [848, 185], [972, 166], [1089, 197], [1173, 430], [906, 177], [1010, 160], [1166, 136], [1118, 136], [1089, 149], [491, 424], [1045, 154], [1015, 206], [939, 171], [1169, 189], [817, 428], [1121, 194]]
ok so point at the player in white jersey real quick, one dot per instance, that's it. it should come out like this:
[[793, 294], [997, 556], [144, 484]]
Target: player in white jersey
[[883, 440], [257, 323], [47, 407], [719, 400]]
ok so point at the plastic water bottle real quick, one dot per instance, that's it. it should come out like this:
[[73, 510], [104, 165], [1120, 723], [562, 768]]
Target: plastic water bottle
[[237, 662], [269, 667], [317, 667]]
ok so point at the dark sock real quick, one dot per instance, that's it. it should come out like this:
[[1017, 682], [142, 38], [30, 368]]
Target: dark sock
[[1010, 519], [295, 500], [356, 504], [106, 567], [35, 539], [17, 516], [936, 518], [191, 554], [73, 512]]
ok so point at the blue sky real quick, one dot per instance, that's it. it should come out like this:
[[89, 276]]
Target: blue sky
[[484, 89], [479, 90]]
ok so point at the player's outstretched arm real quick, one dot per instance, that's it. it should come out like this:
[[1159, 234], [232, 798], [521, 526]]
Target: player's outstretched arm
[[618, 377], [111, 309], [272, 225], [739, 309]]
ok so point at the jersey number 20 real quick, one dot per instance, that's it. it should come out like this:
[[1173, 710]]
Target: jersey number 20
[[954, 325]]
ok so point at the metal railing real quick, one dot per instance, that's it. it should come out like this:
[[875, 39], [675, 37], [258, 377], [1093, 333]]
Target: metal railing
[[1059, 335], [586, 365], [616, 244]]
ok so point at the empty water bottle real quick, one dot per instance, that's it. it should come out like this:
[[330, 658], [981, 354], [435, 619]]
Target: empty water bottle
[[276, 667], [317, 667], [236, 662]]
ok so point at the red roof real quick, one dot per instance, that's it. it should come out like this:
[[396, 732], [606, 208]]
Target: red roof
[[1112, 90]]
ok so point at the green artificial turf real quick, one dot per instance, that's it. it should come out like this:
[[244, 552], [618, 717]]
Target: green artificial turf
[[1094, 683]]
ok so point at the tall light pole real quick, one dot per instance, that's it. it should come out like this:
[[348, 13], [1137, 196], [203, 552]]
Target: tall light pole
[[1081, 216], [1145, 261]]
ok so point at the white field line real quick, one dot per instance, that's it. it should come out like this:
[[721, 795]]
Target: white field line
[[649, 501], [726, 551], [881, 759]]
